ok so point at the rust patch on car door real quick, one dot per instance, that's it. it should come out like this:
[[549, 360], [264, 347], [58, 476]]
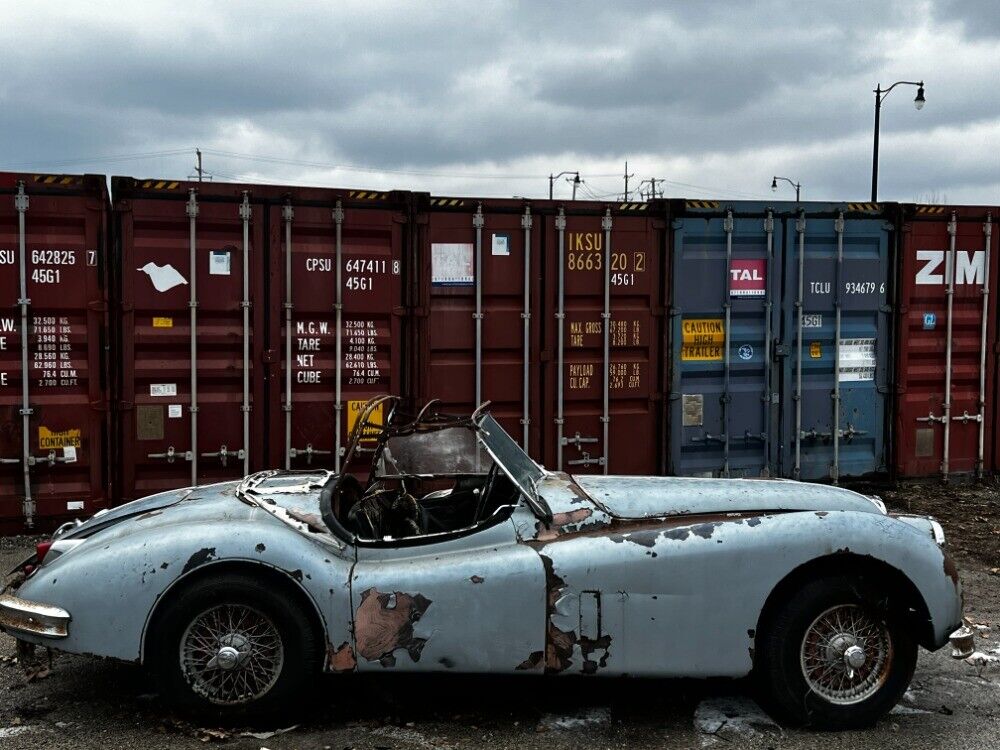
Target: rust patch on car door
[[384, 623], [341, 659]]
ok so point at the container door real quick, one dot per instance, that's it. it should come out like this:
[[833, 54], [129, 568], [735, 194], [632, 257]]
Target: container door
[[339, 303], [480, 279], [193, 276], [949, 268], [836, 328], [724, 377], [53, 398], [604, 290]]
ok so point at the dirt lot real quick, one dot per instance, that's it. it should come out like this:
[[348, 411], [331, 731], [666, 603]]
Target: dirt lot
[[98, 704]]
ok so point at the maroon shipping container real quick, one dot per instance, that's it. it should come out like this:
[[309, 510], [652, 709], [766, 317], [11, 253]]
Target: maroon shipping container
[[945, 419], [53, 385], [192, 334], [603, 388], [532, 319], [351, 241], [475, 331], [239, 394]]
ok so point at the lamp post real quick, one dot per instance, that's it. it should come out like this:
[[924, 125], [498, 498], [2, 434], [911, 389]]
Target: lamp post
[[554, 177], [796, 185], [881, 94]]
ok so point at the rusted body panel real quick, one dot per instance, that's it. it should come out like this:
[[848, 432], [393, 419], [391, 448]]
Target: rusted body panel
[[54, 385], [947, 316], [472, 604], [175, 535]]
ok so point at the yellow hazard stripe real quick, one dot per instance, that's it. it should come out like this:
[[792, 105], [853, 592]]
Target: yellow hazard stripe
[[632, 207], [57, 179], [867, 207], [930, 209], [160, 184], [450, 202], [366, 195], [702, 204]]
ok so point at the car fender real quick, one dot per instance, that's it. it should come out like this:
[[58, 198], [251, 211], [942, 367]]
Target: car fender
[[111, 583], [685, 597]]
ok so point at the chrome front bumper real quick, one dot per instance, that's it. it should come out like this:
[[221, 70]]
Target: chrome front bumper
[[963, 642], [20, 616]]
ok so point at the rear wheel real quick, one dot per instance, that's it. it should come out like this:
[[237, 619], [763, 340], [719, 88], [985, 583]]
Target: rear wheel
[[836, 655], [232, 644]]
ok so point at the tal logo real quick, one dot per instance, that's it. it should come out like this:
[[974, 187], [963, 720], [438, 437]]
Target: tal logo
[[747, 277]]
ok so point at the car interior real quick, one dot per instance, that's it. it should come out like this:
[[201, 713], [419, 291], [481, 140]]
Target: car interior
[[432, 481]]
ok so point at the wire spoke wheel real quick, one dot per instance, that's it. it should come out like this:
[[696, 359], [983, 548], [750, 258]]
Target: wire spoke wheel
[[846, 655], [231, 654]]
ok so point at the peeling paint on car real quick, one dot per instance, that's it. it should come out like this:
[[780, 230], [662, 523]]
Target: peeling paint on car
[[202, 556], [384, 624], [341, 659]]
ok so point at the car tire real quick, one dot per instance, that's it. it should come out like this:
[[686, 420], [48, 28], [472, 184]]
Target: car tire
[[807, 670], [264, 648]]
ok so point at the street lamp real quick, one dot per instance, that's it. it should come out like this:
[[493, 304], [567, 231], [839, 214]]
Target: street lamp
[[796, 185], [554, 177], [881, 94]]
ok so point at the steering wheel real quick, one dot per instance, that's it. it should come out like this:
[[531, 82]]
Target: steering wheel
[[484, 494]]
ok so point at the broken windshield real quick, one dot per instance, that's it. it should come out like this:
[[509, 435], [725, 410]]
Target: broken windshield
[[515, 463]]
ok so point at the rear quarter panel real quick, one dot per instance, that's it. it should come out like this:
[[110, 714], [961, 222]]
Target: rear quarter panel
[[111, 583]]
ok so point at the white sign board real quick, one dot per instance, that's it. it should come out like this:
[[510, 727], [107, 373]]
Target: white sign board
[[452, 264]]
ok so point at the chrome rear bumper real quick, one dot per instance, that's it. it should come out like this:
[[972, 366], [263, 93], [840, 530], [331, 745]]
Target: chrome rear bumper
[[20, 616], [963, 642]]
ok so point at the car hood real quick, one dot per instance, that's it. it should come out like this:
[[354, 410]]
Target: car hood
[[649, 497]]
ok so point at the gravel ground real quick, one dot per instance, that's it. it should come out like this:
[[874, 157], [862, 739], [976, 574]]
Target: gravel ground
[[91, 703]]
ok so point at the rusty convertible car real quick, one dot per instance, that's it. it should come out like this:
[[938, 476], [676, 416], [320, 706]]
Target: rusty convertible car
[[461, 554]]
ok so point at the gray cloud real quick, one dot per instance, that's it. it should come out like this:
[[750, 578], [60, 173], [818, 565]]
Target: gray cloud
[[704, 93]]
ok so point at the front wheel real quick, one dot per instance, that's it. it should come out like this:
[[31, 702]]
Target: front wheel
[[231, 644], [835, 656]]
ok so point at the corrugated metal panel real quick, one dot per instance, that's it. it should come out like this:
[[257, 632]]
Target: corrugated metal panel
[[603, 262], [456, 332], [346, 240], [54, 441], [191, 333], [741, 402], [726, 325], [837, 404], [948, 272]]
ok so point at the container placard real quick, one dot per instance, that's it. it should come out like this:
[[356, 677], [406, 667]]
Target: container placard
[[452, 264], [857, 360], [50, 440], [702, 339], [747, 277], [354, 409]]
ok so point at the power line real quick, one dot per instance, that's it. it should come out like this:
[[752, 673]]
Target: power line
[[102, 159]]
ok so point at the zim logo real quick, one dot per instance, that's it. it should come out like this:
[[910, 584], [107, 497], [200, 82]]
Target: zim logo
[[970, 267]]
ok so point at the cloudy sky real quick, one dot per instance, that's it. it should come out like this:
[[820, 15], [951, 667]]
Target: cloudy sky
[[488, 98]]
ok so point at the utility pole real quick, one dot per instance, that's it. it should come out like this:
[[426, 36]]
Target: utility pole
[[198, 168], [576, 181], [627, 175], [554, 177]]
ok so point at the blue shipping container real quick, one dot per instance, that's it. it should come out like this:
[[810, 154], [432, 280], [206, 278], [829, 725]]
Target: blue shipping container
[[780, 345]]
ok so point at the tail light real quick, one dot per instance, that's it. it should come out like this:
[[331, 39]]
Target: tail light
[[41, 550]]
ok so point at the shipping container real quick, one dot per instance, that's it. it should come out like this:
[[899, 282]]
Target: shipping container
[[603, 383], [53, 376], [337, 296], [527, 332], [947, 331], [229, 343], [780, 339]]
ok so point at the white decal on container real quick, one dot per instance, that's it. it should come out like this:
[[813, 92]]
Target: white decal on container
[[74, 505], [174, 411], [452, 264], [52, 353], [163, 389], [6, 257], [220, 263], [857, 360], [164, 278], [500, 244], [361, 353], [970, 267], [812, 320], [69, 454]]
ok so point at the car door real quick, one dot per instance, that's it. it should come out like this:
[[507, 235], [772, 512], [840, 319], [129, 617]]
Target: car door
[[467, 602]]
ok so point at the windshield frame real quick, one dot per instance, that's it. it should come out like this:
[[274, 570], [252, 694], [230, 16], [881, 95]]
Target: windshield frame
[[521, 470]]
